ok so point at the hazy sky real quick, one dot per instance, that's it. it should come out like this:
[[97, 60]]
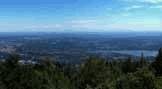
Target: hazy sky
[[80, 15]]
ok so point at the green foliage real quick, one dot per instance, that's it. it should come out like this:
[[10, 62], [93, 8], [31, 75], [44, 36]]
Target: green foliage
[[157, 64], [129, 66], [44, 75], [142, 79], [94, 73], [142, 62], [159, 82]]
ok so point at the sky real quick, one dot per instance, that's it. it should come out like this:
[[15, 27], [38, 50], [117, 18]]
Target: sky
[[80, 15]]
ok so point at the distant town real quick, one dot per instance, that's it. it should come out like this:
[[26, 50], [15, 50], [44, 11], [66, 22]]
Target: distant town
[[74, 47]]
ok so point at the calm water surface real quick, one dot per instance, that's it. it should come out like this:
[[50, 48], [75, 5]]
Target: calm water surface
[[137, 52]]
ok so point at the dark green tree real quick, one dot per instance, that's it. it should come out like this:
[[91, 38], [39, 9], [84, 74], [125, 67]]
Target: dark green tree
[[128, 66], [157, 64], [142, 79], [93, 72], [142, 62]]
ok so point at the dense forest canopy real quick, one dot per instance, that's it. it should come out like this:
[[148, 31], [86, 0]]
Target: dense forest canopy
[[93, 73]]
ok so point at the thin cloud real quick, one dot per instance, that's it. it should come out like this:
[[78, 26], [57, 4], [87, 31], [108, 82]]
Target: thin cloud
[[88, 25], [133, 7], [157, 7], [81, 21], [151, 1], [145, 1]]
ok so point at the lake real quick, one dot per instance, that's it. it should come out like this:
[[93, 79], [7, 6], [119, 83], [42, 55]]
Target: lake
[[137, 52]]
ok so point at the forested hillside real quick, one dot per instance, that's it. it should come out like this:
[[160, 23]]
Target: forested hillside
[[93, 73]]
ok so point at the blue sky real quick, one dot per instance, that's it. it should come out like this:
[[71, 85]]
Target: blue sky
[[80, 15]]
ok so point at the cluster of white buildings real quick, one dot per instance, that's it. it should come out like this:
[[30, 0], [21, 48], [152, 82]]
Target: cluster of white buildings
[[7, 49]]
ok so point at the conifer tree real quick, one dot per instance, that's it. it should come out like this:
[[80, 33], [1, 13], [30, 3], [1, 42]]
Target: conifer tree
[[157, 64], [142, 62]]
